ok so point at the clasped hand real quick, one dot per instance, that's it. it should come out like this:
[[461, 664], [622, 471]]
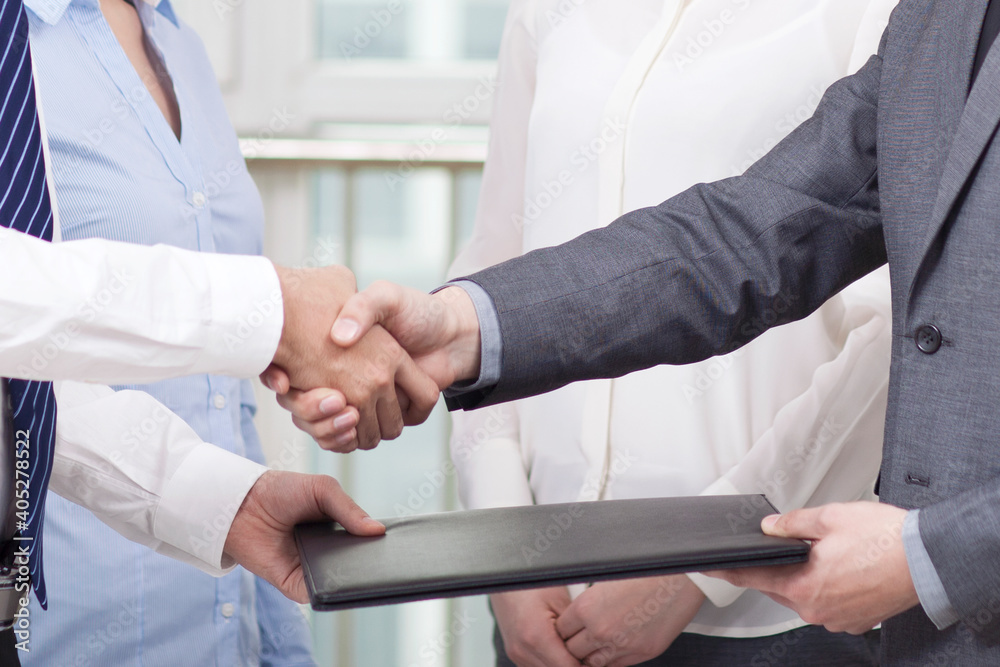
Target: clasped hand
[[360, 394], [351, 384]]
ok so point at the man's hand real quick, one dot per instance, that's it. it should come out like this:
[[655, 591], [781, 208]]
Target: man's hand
[[376, 376], [620, 623], [527, 623], [440, 331], [324, 415], [857, 575], [261, 538]]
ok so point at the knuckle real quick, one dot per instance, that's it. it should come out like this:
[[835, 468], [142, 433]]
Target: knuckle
[[830, 516], [333, 446], [517, 654]]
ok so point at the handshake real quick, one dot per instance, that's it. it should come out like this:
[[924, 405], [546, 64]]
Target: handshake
[[355, 368]]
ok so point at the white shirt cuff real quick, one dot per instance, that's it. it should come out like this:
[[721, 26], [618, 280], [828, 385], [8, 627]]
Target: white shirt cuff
[[247, 313], [198, 505]]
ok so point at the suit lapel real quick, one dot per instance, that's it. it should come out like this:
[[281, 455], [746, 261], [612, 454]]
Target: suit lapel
[[977, 122]]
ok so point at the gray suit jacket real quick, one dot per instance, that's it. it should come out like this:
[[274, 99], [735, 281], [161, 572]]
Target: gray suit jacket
[[899, 163]]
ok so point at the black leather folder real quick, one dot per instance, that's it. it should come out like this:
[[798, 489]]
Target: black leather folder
[[488, 551]]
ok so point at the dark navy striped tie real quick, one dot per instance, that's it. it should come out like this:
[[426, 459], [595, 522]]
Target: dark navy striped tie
[[25, 206]]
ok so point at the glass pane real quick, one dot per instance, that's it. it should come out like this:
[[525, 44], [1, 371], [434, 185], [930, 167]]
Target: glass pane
[[328, 227], [435, 30]]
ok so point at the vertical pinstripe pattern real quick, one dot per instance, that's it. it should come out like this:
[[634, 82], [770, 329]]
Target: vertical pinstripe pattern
[[25, 207]]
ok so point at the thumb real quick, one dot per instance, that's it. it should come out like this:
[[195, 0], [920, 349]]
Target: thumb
[[802, 524], [363, 311], [337, 505]]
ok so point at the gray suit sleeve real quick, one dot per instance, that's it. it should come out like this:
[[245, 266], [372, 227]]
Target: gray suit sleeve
[[962, 537], [705, 272]]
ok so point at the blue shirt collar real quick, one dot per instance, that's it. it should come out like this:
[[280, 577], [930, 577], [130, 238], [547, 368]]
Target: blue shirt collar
[[51, 11]]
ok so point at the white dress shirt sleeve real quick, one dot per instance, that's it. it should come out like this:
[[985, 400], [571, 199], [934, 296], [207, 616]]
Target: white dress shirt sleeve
[[109, 312], [143, 471], [485, 446], [825, 444]]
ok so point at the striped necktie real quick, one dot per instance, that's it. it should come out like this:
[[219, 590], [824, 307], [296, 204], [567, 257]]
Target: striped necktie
[[25, 207]]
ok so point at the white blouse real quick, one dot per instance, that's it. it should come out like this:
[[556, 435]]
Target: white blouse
[[601, 111]]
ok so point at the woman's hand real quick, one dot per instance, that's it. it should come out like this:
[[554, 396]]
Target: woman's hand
[[620, 623], [527, 622]]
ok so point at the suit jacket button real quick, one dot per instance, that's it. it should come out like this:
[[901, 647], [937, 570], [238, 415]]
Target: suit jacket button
[[928, 339]]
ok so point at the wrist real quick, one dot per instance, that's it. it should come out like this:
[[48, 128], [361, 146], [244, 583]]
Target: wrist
[[246, 516], [281, 355], [465, 341]]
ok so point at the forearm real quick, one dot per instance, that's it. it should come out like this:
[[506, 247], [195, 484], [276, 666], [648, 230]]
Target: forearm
[[140, 469], [704, 272], [962, 537], [110, 312]]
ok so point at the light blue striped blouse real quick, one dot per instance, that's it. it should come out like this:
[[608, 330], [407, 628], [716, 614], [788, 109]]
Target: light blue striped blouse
[[120, 173]]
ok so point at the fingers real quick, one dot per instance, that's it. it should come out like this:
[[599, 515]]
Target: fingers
[[369, 432], [324, 415], [570, 622], [275, 379], [418, 392], [540, 646], [315, 405], [390, 417], [363, 311], [765, 579], [336, 504]]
